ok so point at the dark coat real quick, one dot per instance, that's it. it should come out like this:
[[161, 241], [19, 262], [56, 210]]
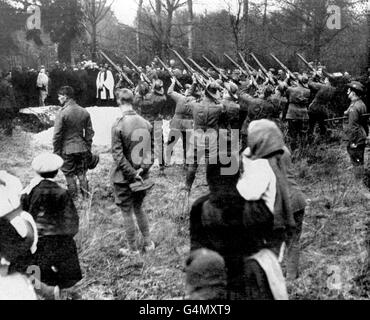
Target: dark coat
[[73, 131], [323, 97], [231, 118], [152, 107], [257, 108], [206, 114], [123, 143], [235, 232], [52, 208], [183, 118], [299, 99], [358, 128]]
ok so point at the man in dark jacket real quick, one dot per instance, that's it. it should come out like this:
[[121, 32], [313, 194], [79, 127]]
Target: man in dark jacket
[[206, 115], [152, 109], [8, 105], [358, 129], [131, 164], [73, 137], [297, 115], [182, 120]]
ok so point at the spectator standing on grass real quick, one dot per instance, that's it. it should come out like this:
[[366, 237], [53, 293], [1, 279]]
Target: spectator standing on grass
[[42, 86], [358, 129], [57, 223], [242, 234], [131, 150], [8, 105], [152, 109], [72, 141]]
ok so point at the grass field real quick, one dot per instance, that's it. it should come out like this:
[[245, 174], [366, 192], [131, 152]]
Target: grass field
[[333, 240]]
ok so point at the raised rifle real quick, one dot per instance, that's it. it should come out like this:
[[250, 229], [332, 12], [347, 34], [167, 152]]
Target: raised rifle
[[268, 76], [170, 72], [284, 67], [249, 68], [199, 78], [366, 115], [236, 65], [251, 71], [326, 74], [118, 69], [141, 74], [204, 72], [218, 70]]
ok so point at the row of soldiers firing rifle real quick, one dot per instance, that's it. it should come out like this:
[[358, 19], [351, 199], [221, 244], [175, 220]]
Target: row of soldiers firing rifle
[[231, 100]]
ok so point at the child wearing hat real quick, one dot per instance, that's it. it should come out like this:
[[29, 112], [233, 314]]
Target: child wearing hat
[[57, 222]]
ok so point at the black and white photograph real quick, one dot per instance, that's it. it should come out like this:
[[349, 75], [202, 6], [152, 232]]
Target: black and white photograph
[[194, 151]]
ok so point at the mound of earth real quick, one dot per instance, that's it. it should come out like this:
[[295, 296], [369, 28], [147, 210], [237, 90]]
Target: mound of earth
[[102, 120]]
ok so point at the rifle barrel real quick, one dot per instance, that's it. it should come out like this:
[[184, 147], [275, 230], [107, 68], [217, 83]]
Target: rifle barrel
[[236, 64], [169, 71], [205, 73], [118, 69], [218, 70], [146, 79], [199, 78]]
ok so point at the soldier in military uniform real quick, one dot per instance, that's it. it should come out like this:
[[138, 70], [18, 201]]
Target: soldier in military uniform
[[358, 129], [297, 115], [152, 109], [182, 120], [73, 137], [206, 115], [256, 109], [129, 167], [8, 105]]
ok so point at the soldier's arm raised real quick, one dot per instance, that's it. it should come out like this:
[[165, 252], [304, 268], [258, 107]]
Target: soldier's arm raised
[[172, 93]]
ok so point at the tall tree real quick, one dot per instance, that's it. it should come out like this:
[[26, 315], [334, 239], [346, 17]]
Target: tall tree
[[170, 6], [246, 22], [303, 24], [62, 19], [191, 28], [236, 23], [94, 12], [368, 36], [139, 28]]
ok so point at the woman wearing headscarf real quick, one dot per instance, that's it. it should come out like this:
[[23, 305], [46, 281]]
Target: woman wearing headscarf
[[268, 175], [248, 234]]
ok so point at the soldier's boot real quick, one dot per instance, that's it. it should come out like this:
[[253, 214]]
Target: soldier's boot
[[84, 186], [292, 264], [72, 186]]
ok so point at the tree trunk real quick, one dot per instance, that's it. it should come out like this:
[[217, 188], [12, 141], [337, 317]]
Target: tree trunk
[[94, 27], [246, 22], [190, 29], [265, 15], [368, 38], [316, 46], [167, 35], [138, 29], [158, 18]]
